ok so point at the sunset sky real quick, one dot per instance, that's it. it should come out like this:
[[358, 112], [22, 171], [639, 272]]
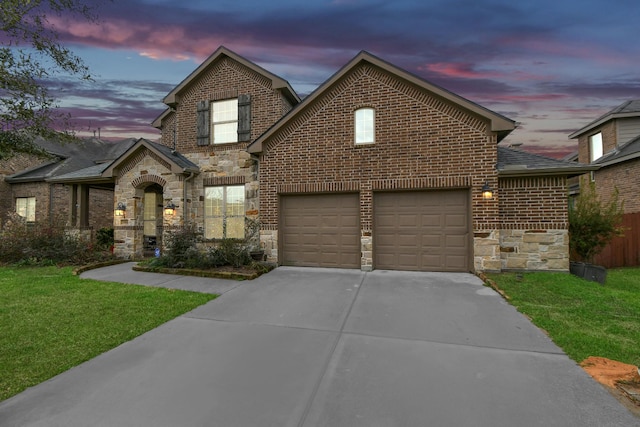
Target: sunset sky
[[550, 65]]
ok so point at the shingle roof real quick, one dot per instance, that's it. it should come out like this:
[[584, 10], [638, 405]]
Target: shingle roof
[[627, 151], [626, 109], [521, 163], [70, 157]]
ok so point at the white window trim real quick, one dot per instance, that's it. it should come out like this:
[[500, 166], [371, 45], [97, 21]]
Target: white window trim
[[224, 215], [593, 153], [358, 135], [223, 122]]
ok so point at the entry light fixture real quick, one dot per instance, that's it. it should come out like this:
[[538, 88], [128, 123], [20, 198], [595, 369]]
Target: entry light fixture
[[170, 209], [120, 209], [487, 192]]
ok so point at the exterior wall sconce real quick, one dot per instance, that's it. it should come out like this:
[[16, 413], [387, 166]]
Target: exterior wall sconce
[[170, 209], [487, 192], [120, 209]]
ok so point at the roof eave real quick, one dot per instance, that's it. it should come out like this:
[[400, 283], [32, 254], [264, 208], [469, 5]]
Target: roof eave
[[601, 122], [560, 171], [620, 159]]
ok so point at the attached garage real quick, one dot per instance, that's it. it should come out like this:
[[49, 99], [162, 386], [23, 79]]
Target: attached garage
[[320, 230], [422, 230]]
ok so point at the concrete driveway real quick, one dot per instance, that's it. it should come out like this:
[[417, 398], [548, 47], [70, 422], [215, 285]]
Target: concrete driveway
[[319, 347]]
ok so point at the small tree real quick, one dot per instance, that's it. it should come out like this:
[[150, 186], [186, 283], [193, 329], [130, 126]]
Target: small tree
[[592, 224]]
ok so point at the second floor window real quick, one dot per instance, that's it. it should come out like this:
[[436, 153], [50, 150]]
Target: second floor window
[[224, 121], [595, 146]]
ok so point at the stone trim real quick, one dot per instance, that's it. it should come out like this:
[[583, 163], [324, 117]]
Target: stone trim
[[318, 187], [148, 178], [224, 180]]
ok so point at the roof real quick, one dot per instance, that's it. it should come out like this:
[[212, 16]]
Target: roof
[[627, 151], [177, 162], [277, 82], [517, 163], [626, 109], [498, 123], [70, 157]]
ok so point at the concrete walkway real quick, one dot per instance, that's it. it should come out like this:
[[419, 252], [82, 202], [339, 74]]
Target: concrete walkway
[[319, 347]]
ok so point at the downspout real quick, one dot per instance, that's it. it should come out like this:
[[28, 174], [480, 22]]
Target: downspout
[[184, 197]]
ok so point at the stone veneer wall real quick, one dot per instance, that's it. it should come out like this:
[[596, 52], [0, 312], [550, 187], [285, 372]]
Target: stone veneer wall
[[535, 250]]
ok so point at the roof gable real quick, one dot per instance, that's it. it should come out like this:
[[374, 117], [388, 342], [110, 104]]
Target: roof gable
[[498, 123], [177, 162], [277, 83], [624, 110]]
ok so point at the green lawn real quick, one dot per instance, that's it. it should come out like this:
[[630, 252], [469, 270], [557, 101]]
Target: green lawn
[[51, 320], [583, 318]]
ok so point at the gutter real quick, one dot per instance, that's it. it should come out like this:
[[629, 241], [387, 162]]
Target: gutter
[[522, 171]]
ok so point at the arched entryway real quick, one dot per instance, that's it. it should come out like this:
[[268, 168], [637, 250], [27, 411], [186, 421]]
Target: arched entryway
[[151, 218]]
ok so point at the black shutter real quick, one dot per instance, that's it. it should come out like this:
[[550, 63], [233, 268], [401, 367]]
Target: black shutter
[[244, 118], [204, 123]]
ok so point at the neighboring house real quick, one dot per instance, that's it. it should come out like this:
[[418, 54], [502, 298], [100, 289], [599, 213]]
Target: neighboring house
[[377, 168], [612, 143], [35, 188]]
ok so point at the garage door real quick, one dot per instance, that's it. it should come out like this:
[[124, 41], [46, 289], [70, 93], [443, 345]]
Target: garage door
[[422, 231], [320, 230]]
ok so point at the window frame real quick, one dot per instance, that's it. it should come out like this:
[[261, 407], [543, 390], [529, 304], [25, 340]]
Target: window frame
[[224, 122], [225, 214], [364, 127], [29, 208], [592, 151]]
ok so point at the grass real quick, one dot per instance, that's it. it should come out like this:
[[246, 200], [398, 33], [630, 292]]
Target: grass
[[51, 320], [583, 318]]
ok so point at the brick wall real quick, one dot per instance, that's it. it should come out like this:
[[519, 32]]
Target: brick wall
[[421, 143], [534, 223], [609, 141], [224, 79], [626, 178], [8, 167]]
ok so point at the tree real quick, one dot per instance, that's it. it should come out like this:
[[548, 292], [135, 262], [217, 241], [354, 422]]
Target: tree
[[592, 224], [30, 55]]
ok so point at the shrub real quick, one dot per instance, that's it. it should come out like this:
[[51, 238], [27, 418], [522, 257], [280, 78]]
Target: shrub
[[44, 243], [593, 224], [104, 237], [180, 246]]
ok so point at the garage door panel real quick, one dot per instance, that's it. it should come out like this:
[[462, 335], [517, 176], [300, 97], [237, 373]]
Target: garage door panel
[[427, 230], [320, 230]]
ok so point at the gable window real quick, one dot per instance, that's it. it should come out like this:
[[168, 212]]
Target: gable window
[[595, 146], [26, 208], [365, 126], [224, 212], [224, 121]]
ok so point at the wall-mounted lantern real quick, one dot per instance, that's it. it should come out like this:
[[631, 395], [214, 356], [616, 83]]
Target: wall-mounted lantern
[[170, 209], [120, 209], [487, 192]]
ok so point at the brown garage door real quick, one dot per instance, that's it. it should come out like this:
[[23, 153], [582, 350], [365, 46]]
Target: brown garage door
[[423, 231], [320, 230]]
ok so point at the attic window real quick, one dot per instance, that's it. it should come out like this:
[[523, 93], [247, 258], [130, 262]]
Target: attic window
[[365, 126], [595, 146]]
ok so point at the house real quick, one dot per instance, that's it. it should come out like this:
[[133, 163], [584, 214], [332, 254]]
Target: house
[[612, 143], [376, 169], [37, 190]]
